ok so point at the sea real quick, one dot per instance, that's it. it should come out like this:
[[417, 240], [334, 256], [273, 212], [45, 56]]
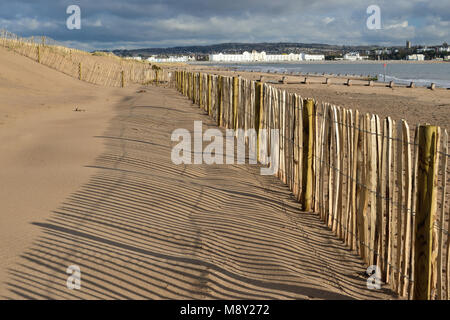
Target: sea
[[423, 74]]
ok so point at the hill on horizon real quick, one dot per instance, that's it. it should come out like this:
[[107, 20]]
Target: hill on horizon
[[271, 48]]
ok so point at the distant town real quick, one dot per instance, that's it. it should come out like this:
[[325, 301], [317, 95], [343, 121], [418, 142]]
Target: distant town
[[287, 52]]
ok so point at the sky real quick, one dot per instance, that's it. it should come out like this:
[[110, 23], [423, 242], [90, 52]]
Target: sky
[[130, 24]]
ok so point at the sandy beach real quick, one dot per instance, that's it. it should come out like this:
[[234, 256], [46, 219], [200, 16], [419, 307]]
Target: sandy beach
[[44, 145], [96, 188]]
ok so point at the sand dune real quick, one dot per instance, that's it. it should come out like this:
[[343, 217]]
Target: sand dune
[[44, 145], [97, 189]]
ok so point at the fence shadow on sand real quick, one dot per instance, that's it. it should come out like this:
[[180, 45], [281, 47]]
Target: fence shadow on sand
[[144, 228]]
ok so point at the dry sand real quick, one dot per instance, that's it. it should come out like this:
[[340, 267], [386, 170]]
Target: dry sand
[[97, 189], [415, 105], [44, 145]]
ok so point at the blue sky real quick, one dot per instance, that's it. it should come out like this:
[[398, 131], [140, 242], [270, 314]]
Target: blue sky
[[107, 24]]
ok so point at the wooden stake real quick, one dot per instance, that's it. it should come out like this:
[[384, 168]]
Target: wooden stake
[[400, 205], [349, 124], [407, 211], [413, 209], [235, 101], [372, 185], [361, 191], [442, 217], [337, 169], [387, 153], [426, 209], [219, 100], [308, 130], [258, 113], [209, 93], [392, 212], [379, 202]]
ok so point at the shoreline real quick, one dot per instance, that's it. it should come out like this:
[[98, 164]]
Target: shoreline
[[320, 62]]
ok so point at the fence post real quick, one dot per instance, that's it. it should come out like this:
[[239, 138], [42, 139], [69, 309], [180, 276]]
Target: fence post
[[79, 71], [258, 113], [425, 211], [122, 79], [219, 100], [308, 142], [38, 53], [191, 85], [209, 93], [200, 90], [196, 88], [235, 100], [182, 82]]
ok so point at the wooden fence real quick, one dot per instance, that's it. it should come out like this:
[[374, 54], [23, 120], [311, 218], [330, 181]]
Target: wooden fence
[[99, 68], [378, 184]]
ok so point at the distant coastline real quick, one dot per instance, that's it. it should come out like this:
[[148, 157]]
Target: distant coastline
[[320, 62]]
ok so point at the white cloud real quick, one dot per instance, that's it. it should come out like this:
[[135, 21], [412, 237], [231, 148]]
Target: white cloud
[[97, 23], [403, 24], [28, 24], [328, 20]]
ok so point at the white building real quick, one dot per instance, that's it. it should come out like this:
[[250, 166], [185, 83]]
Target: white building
[[382, 51], [354, 56], [313, 57], [245, 57], [415, 57], [134, 58], [170, 59], [263, 57], [425, 49]]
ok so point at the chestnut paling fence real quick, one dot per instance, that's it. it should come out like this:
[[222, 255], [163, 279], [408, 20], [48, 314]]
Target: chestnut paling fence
[[380, 185], [98, 68]]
